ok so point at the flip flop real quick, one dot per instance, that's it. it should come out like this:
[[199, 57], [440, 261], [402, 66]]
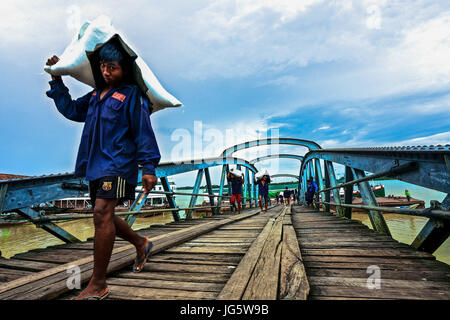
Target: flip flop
[[101, 297], [142, 262]]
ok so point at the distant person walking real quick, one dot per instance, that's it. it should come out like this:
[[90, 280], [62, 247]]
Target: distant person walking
[[236, 190], [310, 191], [263, 189], [287, 195], [408, 195]]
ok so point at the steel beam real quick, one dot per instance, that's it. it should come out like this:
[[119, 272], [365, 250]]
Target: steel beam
[[327, 185], [348, 192], [311, 145], [48, 226], [170, 200], [369, 199], [222, 182], [433, 234], [196, 189], [431, 172], [277, 156], [319, 180], [333, 182], [136, 206], [209, 189]]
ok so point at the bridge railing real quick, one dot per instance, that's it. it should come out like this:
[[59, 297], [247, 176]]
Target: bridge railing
[[427, 167], [23, 196]]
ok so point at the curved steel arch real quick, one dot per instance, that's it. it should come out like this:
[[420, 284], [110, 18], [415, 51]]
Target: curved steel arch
[[172, 168], [281, 155], [285, 175], [311, 145]]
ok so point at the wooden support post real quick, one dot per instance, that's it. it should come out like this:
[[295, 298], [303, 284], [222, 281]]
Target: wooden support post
[[369, 199], [348, 192]]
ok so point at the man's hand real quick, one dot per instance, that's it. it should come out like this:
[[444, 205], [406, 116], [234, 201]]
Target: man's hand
[[148, 182], [51, 61]]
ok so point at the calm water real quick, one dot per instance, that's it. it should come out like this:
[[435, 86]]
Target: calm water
[[405, 228], [22, 238], [17, 239]]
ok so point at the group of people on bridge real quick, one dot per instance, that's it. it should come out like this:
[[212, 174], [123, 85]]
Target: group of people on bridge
[[236, 191]]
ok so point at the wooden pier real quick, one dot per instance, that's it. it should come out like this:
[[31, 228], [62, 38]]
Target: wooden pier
[[289, 253]]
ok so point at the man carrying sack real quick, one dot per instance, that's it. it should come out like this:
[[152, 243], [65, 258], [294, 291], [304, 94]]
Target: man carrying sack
[[117, 137]]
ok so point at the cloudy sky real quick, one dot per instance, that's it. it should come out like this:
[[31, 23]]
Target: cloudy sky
[[342, 73]]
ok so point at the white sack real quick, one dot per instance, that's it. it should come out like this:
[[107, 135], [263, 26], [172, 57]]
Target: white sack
[[236, 173], [74, 62], [261, 174]]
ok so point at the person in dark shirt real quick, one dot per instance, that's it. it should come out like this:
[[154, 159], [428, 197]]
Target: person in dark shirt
[[287, 195], [263, 190], [236, 190], [117, 137]]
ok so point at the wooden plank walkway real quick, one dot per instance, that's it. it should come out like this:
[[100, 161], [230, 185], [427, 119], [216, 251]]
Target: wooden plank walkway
[[288, 253], [337, 252]]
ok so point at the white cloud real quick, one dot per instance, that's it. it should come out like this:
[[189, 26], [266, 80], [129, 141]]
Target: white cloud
[[442, 138]]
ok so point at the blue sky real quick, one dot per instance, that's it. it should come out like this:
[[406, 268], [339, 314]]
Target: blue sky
[[342, 73]]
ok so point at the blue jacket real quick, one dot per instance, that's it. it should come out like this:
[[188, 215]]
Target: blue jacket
[[312, 187], [117, 134], [263, 190]]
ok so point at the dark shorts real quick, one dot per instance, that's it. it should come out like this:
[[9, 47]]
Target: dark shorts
[[265, 197], [112, 187]]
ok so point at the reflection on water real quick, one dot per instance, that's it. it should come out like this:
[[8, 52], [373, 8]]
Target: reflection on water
[[405, 228], [25, 237]]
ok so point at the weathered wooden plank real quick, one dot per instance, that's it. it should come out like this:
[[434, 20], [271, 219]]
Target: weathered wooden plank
[[293, 281], [121, 292], [166, 284], [176, 276], [189, 267], [385, 274], [25, 265], [207, 250], [412, 288], [371, 253], [39, 282], [263, 283], [236, 285], [200, 257]]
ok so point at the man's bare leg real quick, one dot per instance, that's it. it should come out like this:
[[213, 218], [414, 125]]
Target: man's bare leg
[[239, 207], [124, 231], [260, 203], [105, 233]]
